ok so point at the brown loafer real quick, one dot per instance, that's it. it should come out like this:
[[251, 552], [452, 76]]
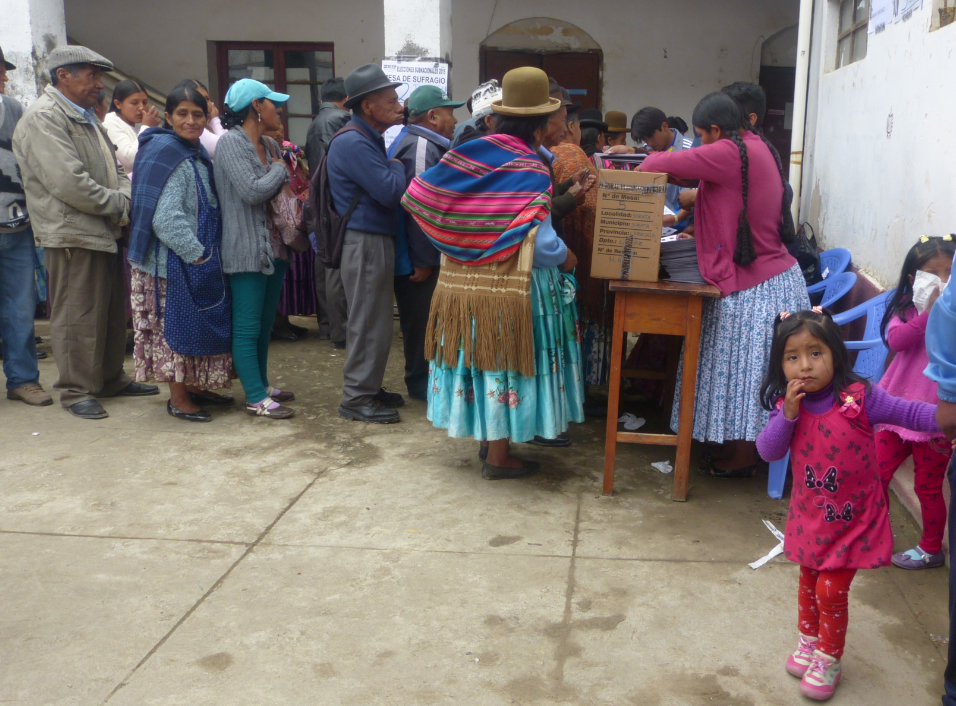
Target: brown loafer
[[280, 395]]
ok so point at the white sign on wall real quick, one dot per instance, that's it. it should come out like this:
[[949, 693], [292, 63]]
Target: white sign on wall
[[412, 74]]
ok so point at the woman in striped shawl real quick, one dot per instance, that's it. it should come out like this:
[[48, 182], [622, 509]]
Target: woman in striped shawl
[[502, 335]]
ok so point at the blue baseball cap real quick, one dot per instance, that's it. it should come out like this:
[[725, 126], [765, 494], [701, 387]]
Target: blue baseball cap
[[241, 94]]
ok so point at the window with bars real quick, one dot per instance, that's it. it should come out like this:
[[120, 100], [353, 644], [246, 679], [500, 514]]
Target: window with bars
[[296, 68], [851, 37]]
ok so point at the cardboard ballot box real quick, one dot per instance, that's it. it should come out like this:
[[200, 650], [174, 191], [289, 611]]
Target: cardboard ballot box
[[627, 225]]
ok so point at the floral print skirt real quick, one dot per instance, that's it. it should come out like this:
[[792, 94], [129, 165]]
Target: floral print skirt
[[735, 336], [153, 360], [491, 405]]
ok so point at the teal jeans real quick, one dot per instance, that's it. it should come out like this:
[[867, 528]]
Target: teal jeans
[[255, 298]]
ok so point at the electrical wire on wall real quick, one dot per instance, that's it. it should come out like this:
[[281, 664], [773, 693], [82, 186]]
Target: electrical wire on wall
[[755, 75], [491, 19]]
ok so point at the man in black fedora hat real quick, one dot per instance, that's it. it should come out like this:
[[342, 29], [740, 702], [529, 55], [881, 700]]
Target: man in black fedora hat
[[358, 167]]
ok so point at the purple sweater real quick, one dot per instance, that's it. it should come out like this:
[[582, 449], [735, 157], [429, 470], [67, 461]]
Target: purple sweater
[[881, 408], [719, 202]]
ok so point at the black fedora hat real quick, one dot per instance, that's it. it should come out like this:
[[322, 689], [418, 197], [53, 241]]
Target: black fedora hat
[[364, 80], [592, 117], [6, 64]]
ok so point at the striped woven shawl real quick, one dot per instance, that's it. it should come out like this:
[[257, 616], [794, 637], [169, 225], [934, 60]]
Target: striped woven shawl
[[481, 206], [482, 199]]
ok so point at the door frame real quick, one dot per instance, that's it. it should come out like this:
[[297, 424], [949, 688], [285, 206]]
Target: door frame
[[483, 51]]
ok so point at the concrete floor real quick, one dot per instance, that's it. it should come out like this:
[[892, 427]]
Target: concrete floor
[[150, 561]]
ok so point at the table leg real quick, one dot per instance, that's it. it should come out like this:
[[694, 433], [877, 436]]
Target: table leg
[[685, 419], [614, 392]]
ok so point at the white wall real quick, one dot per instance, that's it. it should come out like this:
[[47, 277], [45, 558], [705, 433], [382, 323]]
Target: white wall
[[165, 41], [866, 187], [413, 28], [29, 31], [667, 55]]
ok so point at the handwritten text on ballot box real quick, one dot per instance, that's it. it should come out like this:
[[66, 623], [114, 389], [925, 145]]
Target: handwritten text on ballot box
[[627, 225]]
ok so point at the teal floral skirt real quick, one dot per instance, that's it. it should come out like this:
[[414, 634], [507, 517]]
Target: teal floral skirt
[[503, 404]]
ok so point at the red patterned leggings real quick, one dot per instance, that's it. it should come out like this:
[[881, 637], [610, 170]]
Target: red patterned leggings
[[930, 459], [822, 605]]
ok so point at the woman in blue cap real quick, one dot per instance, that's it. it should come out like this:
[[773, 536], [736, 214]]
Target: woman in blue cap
[[248, 176]]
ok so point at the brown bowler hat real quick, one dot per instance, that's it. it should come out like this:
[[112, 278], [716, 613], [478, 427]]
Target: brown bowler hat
[[616, 121], [525, 91]]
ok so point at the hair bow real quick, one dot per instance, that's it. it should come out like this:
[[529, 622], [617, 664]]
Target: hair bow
[[948, 237], [784, 315], [924, 239], [817, 310]]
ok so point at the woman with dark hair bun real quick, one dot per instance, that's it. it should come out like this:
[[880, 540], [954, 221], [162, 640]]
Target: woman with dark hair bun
[[740, 235], [129, 107], [181, 307]]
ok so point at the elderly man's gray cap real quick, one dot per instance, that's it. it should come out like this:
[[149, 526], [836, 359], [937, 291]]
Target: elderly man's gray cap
[[71, 54]]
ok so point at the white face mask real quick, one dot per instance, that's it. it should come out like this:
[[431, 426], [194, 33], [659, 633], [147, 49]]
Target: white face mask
[[924, 284]]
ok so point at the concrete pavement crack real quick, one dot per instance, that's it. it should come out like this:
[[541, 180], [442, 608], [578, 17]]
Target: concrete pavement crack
[[212, 589], [67, 535], [564, 648]]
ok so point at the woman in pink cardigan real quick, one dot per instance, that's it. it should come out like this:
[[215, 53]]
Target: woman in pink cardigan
[[740, 236]]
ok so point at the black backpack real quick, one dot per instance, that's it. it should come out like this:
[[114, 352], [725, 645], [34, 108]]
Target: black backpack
[[320, 215]]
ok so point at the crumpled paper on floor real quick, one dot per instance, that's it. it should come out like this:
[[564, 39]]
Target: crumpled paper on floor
[[775, 552], [663, 466], [630, 422]]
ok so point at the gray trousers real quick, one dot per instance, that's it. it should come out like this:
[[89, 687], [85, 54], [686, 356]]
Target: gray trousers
[[331, 307], [88, 296], [368, 276]]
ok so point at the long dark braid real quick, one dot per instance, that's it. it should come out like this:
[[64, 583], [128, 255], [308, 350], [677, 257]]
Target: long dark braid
[[787, 232], [744, 254]]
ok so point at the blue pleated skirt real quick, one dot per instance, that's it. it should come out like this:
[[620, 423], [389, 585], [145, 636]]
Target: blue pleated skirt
[[502, 404]]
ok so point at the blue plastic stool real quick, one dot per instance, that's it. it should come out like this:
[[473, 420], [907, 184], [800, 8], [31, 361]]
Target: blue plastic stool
[[870, 363]]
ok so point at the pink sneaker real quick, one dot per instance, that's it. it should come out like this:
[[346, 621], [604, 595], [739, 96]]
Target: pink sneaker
[[821, 678], [799, 661]]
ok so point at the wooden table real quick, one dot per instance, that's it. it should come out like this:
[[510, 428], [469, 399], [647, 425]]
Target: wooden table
[[670, 308]]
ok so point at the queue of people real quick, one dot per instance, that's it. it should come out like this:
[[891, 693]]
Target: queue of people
[[483, 237]]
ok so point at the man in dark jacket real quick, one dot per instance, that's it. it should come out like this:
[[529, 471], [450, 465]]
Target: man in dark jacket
[[331, 309], [357, 165], [431, 125], [332, 117]]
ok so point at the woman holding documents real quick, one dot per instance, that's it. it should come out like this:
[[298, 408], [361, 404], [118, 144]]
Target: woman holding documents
[[502, 340], [740, 238]]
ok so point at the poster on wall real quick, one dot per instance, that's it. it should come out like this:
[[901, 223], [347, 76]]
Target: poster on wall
[[882, 13], [412, 74], [905, 8]]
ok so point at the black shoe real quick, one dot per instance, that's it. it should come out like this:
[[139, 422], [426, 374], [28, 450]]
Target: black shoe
[[88, 409], [37, 340], [374, 412], [390, 399], [340, 345], [138, 389], [200, 416], [41, 355], [209, 399], [299, 331], [282, 336], [489, 472], [711, 471], [558, 442]]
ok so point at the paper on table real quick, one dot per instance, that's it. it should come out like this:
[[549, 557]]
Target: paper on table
[[924, 284]]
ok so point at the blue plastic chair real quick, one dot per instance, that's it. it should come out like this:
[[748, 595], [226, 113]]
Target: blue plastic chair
[[835, 287], [832, 262], [870, 363]]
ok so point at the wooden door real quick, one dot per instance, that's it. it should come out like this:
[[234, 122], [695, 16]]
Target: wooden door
[[779, 83], [579, 72]]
